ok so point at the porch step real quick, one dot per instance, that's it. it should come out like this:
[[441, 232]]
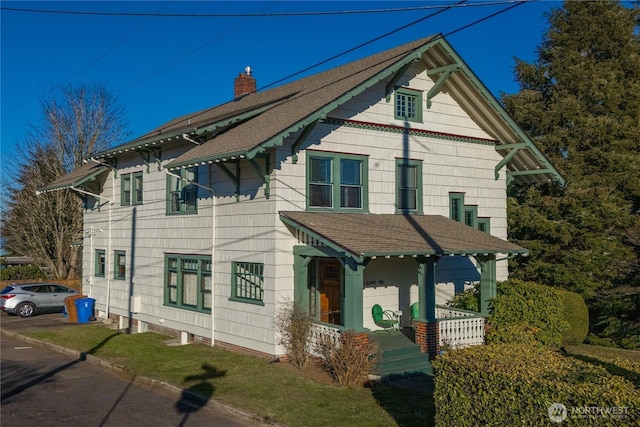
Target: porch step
[[400, 356]]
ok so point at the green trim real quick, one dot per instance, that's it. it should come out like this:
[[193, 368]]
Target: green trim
[[234, 178], [352, 303], [401, 177], [392, 83], [265, 173], [471, 215], [117, 273], [300, 140], [247, 282], [487, 283], [409, 96], [490, 98], [100, 265], [456, 206], [408, 131], [176, 264], [336, 181], [437, 87], [484, 224]]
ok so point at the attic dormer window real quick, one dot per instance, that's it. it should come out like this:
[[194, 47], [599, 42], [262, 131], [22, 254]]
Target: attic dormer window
[[408, 105]]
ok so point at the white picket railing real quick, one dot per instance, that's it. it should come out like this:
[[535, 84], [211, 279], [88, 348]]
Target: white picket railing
[[459, 328], [317, 332]]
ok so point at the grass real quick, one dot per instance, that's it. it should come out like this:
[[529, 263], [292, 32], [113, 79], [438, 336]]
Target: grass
[[249, 383], [588, 350]]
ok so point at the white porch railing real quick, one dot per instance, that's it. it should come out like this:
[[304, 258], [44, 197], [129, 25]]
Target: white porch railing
[[317, 332], [459, 328]]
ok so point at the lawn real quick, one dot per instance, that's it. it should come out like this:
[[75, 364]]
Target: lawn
[[249, 383]]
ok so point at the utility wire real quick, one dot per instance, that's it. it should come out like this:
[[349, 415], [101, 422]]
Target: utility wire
[[240, 15]]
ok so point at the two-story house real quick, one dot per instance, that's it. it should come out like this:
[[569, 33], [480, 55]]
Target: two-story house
[[379, 182]]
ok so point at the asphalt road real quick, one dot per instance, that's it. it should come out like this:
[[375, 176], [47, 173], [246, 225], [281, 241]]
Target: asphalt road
[[43, 387]]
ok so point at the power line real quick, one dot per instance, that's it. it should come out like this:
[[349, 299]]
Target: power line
[[244, 14]]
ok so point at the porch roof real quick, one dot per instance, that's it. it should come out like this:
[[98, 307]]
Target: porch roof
[[76, 178], [373, 235]]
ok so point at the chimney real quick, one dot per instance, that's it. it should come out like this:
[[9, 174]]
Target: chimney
[[244, 84]]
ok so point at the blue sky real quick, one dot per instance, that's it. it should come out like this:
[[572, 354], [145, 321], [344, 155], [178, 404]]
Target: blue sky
[[161, 67]]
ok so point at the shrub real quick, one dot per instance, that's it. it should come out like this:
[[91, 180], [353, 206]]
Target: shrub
[[514, 384], [350, 360], [24, 272], [538, 306], [576, 314], [294, 325]]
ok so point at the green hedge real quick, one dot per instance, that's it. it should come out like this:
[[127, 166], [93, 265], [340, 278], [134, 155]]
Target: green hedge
[[576, 314], [515, 384], [526, 311], [25, 272]]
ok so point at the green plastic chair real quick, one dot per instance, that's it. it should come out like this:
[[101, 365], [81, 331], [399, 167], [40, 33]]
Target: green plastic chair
[[386, 319]]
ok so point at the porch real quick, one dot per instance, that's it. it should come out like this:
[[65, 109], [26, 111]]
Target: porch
[[401, 355]]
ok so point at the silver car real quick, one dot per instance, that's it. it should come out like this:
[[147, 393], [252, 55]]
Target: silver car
[[31, 298]]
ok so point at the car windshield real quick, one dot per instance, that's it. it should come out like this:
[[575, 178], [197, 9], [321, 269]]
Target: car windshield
[[7, 290]]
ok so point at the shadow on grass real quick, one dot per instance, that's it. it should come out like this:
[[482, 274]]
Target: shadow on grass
[[48, 375], [198, 395], [611, 367], [408, 400]]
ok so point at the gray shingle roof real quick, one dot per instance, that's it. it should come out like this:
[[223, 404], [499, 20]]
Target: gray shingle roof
[[367, 235], [76, 177]]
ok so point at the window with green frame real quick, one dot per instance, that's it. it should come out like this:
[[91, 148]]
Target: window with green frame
[[456, 206], [182, 194], [484, 224], [100, 263], [471, 216], [408, 105], [408, 185], [337, 182], [188, 282], [131, 189], [247, 282], [120, 264]]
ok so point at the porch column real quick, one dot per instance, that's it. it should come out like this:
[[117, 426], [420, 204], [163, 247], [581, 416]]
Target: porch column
[[353, 295], [300, 279], [426, 324], [487, 283]]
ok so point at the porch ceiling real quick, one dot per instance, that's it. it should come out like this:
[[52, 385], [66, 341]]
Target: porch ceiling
[[371, 235]]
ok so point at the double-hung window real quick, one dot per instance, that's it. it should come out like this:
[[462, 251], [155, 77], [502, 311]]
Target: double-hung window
[[456, 206], [337, 181], [182, 194], [131, 189], [408, 186], [408, 105], [188, 282], [247, 282]]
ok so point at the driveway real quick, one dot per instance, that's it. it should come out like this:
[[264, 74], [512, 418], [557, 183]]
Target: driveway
[[44, 387]]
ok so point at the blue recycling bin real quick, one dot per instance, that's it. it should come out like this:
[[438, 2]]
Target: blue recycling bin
[[84, 307]]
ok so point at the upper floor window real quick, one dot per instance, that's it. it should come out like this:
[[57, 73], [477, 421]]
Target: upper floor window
[[188, 282], [337, 181], [131, 189], [182, 194], [456, 206], [471, 216], [484, 225], [408, 105], [408, 185]]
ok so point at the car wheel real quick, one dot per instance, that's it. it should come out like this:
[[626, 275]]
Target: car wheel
[[26, 309]]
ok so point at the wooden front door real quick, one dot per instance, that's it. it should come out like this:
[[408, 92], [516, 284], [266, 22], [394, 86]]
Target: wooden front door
[[330, 291]]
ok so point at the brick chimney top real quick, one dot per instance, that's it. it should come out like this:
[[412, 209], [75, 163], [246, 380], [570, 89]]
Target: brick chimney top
[[244, 84]]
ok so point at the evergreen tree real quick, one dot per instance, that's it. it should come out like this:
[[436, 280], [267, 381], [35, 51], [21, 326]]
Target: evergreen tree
[[580, 102]]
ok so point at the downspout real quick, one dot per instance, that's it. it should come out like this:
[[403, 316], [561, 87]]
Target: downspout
[[213, 258]]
